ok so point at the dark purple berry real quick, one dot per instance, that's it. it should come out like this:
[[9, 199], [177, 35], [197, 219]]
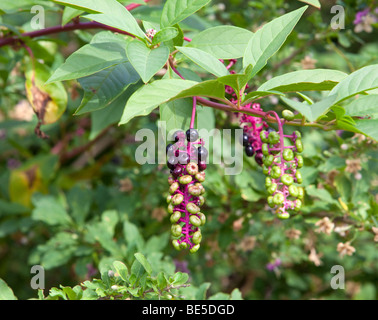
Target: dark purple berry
[[249, 151], [202, 153], [171, 163], [183, 158], [245, 139], [202, 166], [170, 150], [178, 135], [192, 135], [259, 157], [177, 171]]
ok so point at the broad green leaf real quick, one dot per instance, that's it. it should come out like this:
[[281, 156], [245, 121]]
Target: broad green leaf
[[101, 119], [204, 60], [90, 59], [368, 127], [146, 61], [49, 101], [304, 80], [176, 41], [362, 80], [49, 210], [147, 98], [121, 269], [365, 106], [260, 94], [175, 11], [311, 112], [180, 278], [165, 34], [142, 259], [117, 16], [314, 3], [269, 39], [132, 235], [11, 6], [176, 114], [6, 293], [237, 81], [209, 88], [102, 88], [91, 6], [223, 42]]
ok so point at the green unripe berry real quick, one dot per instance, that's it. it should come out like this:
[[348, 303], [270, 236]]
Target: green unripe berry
[[283, 215], [268, 160], [186, 179], [197, 237], [200, 176], [170, 208], [169, 198], [171, 180], [202, 218], [299, 145], [298, 205], [287, 179], [263, 137], [272, 189], [278, 199], [299, 161], [194, 248], [173, 188], [276, 172], [268, 182], [288, 154], [192, 168], [177, 199], [202, 200], [192, 208], [273, 137], [195, 221], [270, 202], [194, 191], [293, 190], [265, 149], [200, 186], [265, 169], [175, 217], [183, 245], [298, 176], [300, 193], [288, 115], [176, 244], [176, 230], [298, 134]]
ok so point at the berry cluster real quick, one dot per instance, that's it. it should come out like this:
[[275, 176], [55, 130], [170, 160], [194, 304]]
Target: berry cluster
[[187, 162], [251, 140], [280, 164]]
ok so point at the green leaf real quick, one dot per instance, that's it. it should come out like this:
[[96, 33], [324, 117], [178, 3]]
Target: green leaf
[[269, 39], [101, 119], [304, 80], [148, 97], [6, 293], [175, 11], [50, 211], [102, 88], [237, 81], [365, 106], [314, 3], [357, 82], [223, 42], [260, 94], [91, 6], [176, 114], [90, 59], [209, 88], [117, 16], [204, 60], [368, 127], [121, 269], [311, 112], [146, 61], [132, 235], [180, 278], [142, 259], [165, 34]]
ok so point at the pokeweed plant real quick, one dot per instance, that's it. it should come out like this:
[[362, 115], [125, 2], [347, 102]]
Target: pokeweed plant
[[142, 66]]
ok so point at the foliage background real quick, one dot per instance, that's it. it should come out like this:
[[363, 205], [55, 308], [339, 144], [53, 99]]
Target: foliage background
[[78, 200]]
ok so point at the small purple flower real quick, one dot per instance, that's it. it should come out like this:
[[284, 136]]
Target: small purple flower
[[360, 15], [273, 265]]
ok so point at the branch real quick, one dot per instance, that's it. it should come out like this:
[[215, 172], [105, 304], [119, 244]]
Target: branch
[[68, 27]]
